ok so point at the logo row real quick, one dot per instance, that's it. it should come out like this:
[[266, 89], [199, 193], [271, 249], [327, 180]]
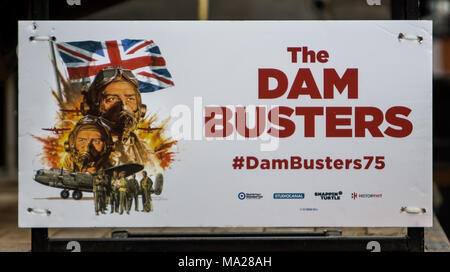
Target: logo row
[[318, 195]]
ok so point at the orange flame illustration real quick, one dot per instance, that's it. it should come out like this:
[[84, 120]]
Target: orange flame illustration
[[153, 132]]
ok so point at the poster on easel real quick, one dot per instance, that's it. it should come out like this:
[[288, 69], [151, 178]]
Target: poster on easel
[[225, 123]]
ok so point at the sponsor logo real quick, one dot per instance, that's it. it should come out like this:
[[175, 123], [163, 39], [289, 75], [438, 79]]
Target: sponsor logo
[[356, 195], [309, 209], [288, 196], [243, 196], [329, 195]]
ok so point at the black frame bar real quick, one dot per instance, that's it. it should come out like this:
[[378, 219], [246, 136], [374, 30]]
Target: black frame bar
[[232, 242], [405, 9]]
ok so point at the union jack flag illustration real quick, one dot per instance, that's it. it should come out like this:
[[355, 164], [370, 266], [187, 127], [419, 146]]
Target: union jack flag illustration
[[84, 59]]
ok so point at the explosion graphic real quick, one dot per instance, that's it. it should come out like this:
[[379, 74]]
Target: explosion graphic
[[150, 130]]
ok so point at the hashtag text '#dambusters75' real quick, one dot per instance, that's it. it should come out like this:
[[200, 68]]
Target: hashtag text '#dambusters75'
[[299, 163]]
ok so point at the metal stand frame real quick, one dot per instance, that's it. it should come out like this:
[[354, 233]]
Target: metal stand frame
[[232, 242]]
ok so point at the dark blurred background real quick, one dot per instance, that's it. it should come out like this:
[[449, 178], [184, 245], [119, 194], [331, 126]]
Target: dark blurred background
[[436, 10]]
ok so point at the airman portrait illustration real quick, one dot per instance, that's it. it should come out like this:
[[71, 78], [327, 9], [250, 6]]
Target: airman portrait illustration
[[89, 146], [102, 123], [133, 192], [147, 190], [122, 186], [115, 194], [114, 95], [99, 190]]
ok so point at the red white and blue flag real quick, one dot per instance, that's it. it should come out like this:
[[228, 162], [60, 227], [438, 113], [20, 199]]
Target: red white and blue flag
[[84, 59]]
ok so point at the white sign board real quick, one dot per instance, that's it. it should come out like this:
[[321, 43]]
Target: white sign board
[[262, 123]]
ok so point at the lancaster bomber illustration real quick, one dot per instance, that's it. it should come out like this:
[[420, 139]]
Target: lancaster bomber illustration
[[56, 130], [82, 182], [76, 111], [148, 129]]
